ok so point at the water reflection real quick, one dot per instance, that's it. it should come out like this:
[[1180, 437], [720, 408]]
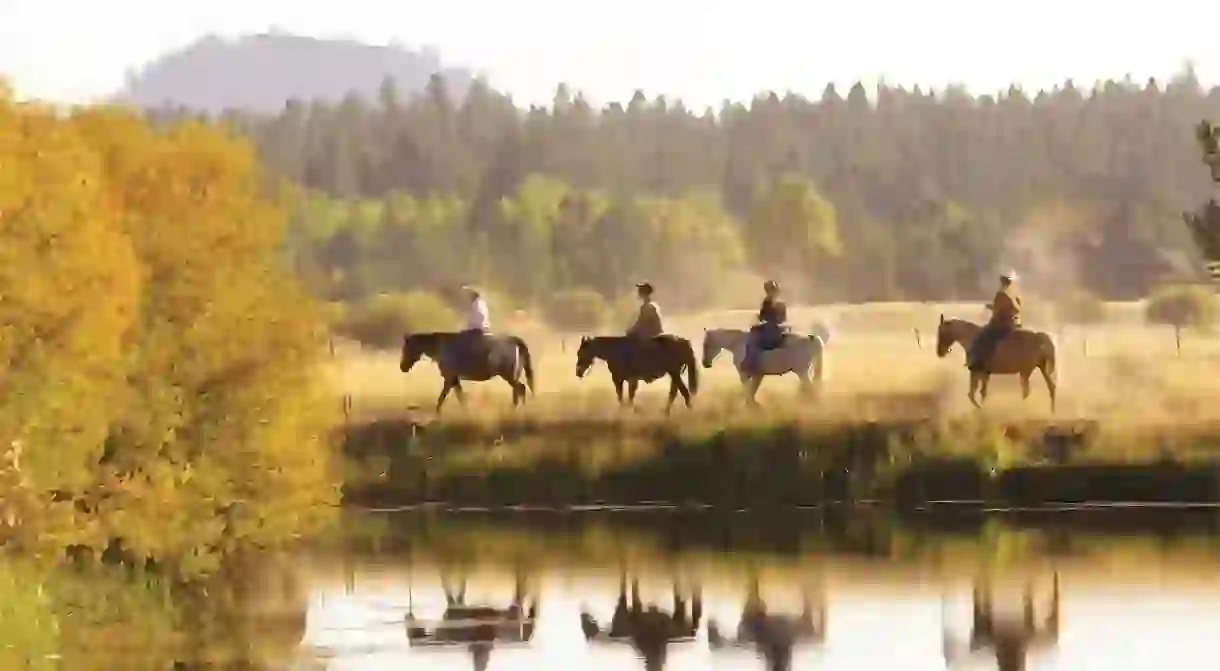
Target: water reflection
[[649, 630], [681, 592], [1010, 639], [479, 628], [774, 635]]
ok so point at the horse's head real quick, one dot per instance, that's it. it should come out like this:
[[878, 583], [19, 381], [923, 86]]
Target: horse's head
[[946, 335], [713, 345], [414, 347], [586, 354]]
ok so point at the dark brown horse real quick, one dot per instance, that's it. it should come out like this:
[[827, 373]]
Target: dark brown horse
[[503, 356], [632, 361], [1011, 641]]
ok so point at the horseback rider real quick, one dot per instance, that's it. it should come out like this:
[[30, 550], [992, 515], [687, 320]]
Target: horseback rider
[[770, 329], [478, 323], [1005, 317], [648, 322]]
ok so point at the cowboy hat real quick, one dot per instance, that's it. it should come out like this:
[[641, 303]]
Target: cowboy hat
[[1010, 275], [644, 286]]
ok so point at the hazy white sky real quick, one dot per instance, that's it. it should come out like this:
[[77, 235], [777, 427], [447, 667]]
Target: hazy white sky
[[699, 50]]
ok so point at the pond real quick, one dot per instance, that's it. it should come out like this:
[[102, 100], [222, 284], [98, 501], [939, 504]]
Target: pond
[[837, 589]]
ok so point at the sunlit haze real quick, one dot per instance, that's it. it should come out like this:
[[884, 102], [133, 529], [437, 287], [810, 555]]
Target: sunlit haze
[[699, 50]]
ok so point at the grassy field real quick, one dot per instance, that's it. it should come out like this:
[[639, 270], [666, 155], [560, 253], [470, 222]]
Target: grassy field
[[888, 398]]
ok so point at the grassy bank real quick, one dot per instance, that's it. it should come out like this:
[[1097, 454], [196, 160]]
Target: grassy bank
[[791, 461], [892, 423]]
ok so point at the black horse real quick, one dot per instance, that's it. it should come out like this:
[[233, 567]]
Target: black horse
[[459, 357], [633, 360]]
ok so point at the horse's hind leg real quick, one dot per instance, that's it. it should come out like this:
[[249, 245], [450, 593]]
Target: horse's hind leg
[[673, 393], [975, 379], [517, 387], [440, 401], [807, 388], [752, 385], [676, 386], [682, 389], [1051, 384], [633, 386]]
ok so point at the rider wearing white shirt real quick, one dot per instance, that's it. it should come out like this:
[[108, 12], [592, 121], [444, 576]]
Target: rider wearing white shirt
[[478, 324], [477, 319]]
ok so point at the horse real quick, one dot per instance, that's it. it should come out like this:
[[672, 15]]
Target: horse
[[798, 354], [632, 362], [1021, 352], [503, 356]]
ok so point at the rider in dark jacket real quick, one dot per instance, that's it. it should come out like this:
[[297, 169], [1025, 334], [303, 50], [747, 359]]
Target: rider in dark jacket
[[770, 329]]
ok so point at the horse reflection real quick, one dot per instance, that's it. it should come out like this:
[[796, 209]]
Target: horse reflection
[[774, 635], [647, 629], [479, 627], [1011, 640]]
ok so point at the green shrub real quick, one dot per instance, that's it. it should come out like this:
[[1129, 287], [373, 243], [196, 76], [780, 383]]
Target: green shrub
[[576, 311], [381, 320]]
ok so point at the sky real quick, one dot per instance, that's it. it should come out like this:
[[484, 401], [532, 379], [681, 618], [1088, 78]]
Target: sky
[[701, 51]]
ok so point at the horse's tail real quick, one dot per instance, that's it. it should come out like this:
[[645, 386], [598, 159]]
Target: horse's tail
[[692, 367], [1049, 358], [819, 356], [527, 362]]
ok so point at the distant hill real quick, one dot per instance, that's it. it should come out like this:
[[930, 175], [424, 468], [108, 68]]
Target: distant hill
[[261, 72]]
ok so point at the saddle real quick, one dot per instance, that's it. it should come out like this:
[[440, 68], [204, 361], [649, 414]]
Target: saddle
[[770, 337]]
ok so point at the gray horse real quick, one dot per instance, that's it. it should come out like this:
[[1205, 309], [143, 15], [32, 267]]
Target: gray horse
[[504, 356], [802, 355]]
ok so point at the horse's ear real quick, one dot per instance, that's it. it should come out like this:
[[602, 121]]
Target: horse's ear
[[584, 339], [942, 318]]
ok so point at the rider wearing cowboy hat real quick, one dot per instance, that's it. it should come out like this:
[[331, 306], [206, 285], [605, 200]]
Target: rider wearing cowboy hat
[[1005, 317], [770, 328], [648, 321]]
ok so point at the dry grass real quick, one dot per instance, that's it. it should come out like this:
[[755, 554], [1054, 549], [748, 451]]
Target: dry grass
[[881, 363]]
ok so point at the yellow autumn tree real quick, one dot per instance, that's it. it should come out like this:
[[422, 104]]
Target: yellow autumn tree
[[158, 360], [69, 292], [223, 406]]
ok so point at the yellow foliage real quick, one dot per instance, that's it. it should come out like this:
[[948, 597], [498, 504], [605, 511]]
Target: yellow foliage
[[158, 361]]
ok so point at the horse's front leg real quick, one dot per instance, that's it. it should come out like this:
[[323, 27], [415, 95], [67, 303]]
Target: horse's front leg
[[975, 378], [618, 389], [457, 389], [633, 386], [983, 386], [1025, 385]]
